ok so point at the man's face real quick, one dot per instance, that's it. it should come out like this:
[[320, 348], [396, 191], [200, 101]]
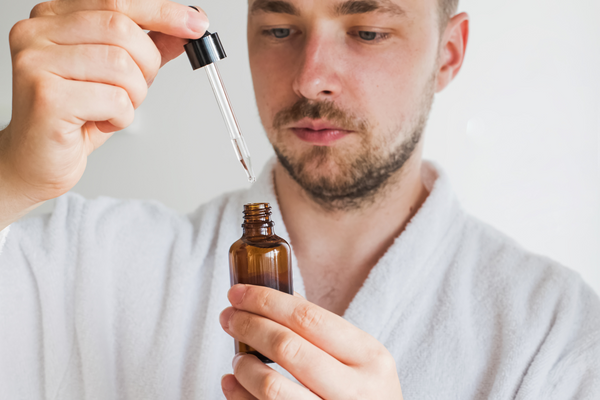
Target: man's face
[[343, 88]]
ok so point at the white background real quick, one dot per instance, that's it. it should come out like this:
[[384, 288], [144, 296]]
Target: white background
[[518, 131]]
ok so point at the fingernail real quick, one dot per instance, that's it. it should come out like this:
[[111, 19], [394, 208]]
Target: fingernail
[[236, 360], [226, 316], [197, 21], [236, 294]]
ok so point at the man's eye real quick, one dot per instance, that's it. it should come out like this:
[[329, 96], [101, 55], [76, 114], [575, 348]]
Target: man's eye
[[279, 33], [372, 36], [364, 35]]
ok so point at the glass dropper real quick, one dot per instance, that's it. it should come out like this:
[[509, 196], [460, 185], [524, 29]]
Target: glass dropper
[[203, 53], [238, 142]]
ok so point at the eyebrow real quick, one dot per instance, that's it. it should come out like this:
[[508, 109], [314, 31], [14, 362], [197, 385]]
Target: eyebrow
[[351, 7], [274, 6]]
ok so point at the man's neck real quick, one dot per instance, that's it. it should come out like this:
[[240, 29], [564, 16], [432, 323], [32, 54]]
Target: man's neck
[[336, 250]]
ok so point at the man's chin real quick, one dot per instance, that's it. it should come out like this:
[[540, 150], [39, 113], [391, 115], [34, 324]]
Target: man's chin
[[322, 173], [318, 164]]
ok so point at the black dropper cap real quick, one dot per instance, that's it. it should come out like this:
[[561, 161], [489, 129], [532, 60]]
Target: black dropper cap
[[205, 50]]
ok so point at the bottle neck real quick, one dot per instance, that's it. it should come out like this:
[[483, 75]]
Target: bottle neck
[[251, 230], [257, 220]]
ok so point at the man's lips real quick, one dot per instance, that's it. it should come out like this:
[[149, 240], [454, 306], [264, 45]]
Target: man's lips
[[321, 133]]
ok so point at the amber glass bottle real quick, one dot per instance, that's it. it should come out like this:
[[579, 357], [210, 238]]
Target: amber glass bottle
[[260, 258]]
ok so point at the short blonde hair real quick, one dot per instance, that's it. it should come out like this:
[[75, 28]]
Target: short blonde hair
[[447, 10]]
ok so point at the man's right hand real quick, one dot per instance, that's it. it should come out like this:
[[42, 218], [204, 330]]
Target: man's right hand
[[80, 69]]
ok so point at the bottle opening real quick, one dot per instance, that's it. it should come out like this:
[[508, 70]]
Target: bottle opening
[[257, 213], [256, 206]]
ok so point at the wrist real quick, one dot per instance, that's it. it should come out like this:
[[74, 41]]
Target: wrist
[[14, 203]]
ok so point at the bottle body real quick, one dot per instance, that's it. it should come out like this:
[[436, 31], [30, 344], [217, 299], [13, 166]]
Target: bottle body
[[260, 258]]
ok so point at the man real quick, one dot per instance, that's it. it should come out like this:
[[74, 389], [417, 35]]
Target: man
[[119, 299]]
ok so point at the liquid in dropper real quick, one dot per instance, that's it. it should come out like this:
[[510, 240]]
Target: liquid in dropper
[[248, 169]]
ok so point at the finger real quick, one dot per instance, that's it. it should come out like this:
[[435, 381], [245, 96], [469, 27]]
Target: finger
[[154, 15], [101, 126], [310, 365], [106, 28], [265, 383], [324, 329], [72, 103], [233, 390], [95, 63], [170, 47], [79, 102], [42, 10], [67, 105]]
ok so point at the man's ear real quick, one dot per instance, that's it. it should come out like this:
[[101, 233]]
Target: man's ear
[[452, 49]]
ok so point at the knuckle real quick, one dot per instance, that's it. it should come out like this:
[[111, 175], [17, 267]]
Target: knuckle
[[271, 387], [120, 98], [19, 32], [129, 119], [40, 9], [118, 59], [387, 362], [36, 10], [287, 347], [156, 62], [118, 24], [306, 316], [44, 94], [140, 94], [24, 60], [382, 361], [151, 65]]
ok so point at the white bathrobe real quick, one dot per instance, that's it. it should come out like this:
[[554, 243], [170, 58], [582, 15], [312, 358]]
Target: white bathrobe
[[117, 299]]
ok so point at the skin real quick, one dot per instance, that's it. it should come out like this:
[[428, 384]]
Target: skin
[[81, 68], [385, 83]]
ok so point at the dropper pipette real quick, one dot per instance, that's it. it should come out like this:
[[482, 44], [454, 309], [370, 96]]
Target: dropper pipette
[[238, 142], [204, 52]]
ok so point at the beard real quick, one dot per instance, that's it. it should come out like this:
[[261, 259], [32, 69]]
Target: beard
[[342, 179]]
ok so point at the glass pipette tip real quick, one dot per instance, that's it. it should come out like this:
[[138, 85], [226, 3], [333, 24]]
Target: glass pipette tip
[[237, 140]]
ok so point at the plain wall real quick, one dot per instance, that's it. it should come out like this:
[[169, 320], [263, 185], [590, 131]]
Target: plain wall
[[518, 131]]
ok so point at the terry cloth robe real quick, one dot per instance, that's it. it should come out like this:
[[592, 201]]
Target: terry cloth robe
[[117, 299]]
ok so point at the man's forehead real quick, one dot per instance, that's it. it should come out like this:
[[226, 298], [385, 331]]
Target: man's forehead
[[337, 7]]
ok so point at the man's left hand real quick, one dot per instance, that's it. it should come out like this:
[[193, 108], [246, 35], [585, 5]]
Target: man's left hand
[[332, 358]]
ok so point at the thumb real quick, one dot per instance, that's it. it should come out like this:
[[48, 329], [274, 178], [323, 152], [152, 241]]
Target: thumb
[[171, 47], [168, 17], [154, 15]]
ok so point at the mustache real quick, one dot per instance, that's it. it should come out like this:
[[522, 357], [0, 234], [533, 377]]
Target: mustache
[[305, 108]]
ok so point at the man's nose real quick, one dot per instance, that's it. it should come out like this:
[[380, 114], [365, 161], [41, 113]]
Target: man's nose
[[317, 76]]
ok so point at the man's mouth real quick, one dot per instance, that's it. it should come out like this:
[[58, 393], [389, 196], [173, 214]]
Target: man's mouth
[[318, 132]]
